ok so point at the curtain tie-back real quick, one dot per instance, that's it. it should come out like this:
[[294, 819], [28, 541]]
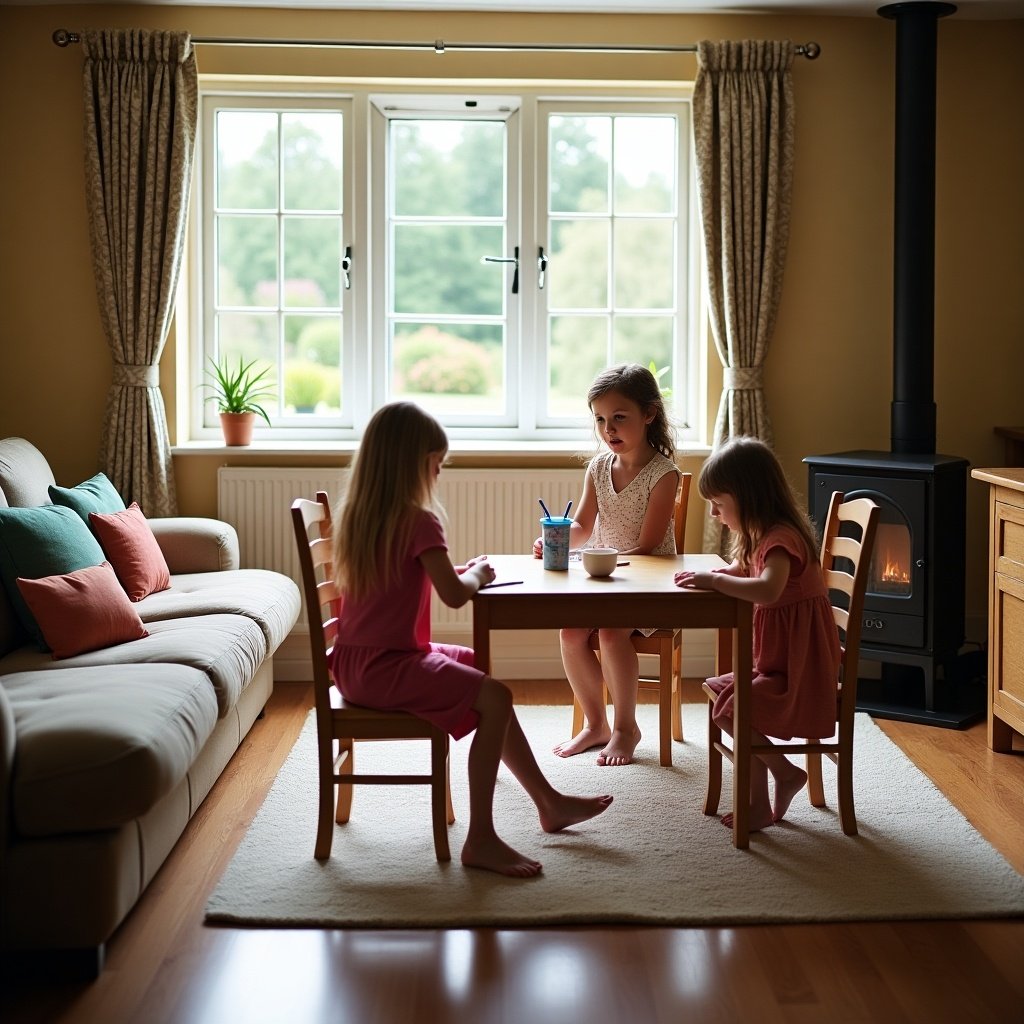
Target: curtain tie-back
[[136, 375], [743, 378]]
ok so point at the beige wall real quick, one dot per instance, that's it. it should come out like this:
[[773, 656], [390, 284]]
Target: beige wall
[[829, 370]]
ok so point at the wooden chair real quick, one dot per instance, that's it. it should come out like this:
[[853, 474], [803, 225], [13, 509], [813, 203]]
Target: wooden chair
[[338, 722], [845, 561], [667, 645]]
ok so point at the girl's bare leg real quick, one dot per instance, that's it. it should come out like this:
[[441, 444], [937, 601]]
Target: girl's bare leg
[[483, 848], [621, 668], [583, 671], [557, 810], [499, 736], [789, 780]]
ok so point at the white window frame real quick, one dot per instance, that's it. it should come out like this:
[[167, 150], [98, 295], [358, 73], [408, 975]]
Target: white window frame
[[366, 365]]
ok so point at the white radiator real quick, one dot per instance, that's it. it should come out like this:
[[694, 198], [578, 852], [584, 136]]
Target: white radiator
[[490, 511]]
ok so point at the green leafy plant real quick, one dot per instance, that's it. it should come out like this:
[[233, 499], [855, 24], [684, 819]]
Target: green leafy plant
[[240, 389], [666, 393]]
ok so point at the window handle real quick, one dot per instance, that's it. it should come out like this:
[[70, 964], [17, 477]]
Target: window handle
[[542, 267], [507, 259], [346, 267]]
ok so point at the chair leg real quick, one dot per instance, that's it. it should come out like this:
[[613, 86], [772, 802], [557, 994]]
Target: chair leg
[[815, 788], [325, 804], [714, 793], [666, 700], [677, 693], [440, 795], [347, 766], [844, 764]]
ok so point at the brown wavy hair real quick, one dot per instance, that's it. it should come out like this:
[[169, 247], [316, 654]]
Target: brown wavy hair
[[748, 470], [639, 385]]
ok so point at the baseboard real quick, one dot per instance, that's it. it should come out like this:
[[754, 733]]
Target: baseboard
[[522, 654]]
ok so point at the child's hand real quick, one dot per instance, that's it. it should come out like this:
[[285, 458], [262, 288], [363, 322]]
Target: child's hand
[[482, 570], [538, 547], [460, 569], [694, 580]]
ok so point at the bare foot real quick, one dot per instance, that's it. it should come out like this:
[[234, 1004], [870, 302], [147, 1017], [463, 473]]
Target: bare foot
[[494, 855], [586, 739], [564, 811], [786, 790], [757, 821], [620, 748]]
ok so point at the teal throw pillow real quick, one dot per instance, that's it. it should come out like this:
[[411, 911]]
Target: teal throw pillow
[[97, 494], [47, 540]]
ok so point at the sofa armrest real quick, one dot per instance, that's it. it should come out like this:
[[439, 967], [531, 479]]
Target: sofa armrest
[[196, 545]]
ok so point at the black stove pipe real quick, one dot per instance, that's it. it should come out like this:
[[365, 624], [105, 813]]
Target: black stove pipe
[[913, 406]]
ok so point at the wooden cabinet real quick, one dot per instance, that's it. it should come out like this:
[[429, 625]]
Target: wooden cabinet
[[1005, 605]]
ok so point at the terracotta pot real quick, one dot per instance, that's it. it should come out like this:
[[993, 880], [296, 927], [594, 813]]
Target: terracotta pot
[[237, 427]]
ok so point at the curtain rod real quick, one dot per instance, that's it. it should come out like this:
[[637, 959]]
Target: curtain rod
[[64, 37]]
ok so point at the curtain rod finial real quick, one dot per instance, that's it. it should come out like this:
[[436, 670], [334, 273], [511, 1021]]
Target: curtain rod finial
[[62, 37], [812, 51]]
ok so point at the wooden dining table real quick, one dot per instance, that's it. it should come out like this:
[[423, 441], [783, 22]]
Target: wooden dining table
[[525, 595]]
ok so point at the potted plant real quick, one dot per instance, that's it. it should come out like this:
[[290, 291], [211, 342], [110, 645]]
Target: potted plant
[[238, 393]]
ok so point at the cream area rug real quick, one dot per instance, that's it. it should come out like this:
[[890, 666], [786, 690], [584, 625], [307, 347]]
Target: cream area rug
[[653, 857]]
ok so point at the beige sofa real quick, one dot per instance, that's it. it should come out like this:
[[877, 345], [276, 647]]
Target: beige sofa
[[105, 756]]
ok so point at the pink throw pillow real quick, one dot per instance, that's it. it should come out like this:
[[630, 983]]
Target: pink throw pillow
[[82, 611], [128, 542]]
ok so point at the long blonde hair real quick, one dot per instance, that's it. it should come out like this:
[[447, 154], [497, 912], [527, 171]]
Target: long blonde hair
[[390, 481], [748, 470]]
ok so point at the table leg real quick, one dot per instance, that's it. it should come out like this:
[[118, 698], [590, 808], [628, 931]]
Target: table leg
[[481, 639], [742, 662]]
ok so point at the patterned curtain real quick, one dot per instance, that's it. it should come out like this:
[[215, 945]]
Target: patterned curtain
[[743, 118], [141, 101]]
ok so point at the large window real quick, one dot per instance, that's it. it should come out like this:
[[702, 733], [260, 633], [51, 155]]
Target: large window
[[483, 255]]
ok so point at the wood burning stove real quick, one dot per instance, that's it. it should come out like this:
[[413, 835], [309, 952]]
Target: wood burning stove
[[914, 608]]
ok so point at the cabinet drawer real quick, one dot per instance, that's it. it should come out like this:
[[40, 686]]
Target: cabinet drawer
[[1007, 683], [1008, 540]]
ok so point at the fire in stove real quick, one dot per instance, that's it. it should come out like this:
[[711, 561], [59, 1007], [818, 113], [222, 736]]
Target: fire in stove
[[890, 565]]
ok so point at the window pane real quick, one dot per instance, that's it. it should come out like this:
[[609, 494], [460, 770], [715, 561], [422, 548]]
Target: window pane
[[448, 168], [312, 261], [311, 160], [250, 337], [312, 366], [579, 150], [644, 264], [579, 264], [437, 269], [577, 349], [246, 160], [645, 340], [246, 261], [645, 164], [450, 368]]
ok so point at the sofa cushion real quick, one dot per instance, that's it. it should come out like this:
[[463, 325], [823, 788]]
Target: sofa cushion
[[82, 611], [97, 747], [97, 494], [132, 550], [268, 598], [49, 540], [229, 649], [25, 474]]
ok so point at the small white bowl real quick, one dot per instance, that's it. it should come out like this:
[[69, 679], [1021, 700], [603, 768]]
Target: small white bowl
[[600, 561]]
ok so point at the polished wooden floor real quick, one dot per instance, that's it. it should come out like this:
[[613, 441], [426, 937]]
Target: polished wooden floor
[[164, 965]]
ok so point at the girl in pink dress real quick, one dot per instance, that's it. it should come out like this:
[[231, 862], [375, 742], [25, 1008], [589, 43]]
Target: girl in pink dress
[[629, 494], [796, 643], [389, 551]]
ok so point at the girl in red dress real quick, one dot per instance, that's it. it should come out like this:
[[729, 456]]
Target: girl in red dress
[[389, 553], [796, 642]]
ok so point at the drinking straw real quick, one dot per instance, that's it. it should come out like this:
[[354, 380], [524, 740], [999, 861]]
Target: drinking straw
[[565, 514], [547, 514]]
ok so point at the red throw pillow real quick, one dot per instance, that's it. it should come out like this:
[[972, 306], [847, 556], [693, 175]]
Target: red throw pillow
[[82, 611], [128, 542]]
